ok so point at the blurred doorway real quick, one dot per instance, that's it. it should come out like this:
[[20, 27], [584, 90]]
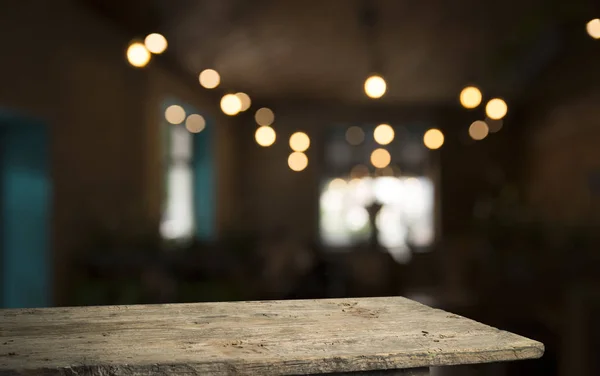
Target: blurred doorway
[[25, 188]]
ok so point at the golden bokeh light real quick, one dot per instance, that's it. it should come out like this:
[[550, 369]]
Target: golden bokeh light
[[479, 130], [231, 104], [355, 135], [386, 171], [264, 116], [245, 99], [138, 55], [297, 161], [299, 141], [496, 109], [470, 97], [433, 139], [380, 158], [156, 43], [209, 78], [494, 125], [337, 183], [175, 114], [593, 28], [265, 136], [383, 134], [375, 87], [195, 123], [359, 171]]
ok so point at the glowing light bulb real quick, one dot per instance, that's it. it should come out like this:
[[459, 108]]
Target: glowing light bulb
[[479, 130], [156, 43], [138, 55], [496, 109], [433, 139], [175, 114], [264, 116], [470, 97], [265, 136], [375, 87], [245, 99], [231, 104], [380, 158], [195, 123], [593, 28], [383, 134], [299, 141], [209, 78], [297, 161]]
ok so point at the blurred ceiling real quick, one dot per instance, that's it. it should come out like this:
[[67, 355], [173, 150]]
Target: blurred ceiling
[[322, 50]]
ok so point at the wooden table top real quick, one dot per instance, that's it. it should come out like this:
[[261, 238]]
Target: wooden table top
[[249, 338]]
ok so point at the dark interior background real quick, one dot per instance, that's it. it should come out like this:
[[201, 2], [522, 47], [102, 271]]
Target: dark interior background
[[516, 214]]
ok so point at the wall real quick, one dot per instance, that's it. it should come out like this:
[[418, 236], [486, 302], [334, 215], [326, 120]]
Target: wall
[[563, 138], [63, 64]]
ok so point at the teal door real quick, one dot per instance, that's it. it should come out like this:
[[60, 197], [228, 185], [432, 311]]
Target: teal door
[[24, 214]]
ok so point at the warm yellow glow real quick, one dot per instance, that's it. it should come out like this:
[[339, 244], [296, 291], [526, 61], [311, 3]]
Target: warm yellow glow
[[496, 109], [156, 43], [297, 161], [355, 135], [433, 139], [380, 158], [264, 116], [478, 130], [245, 99], [231, 104], [470, 97], [337, 183], [138, 55], [375, 87], [209, 78], [593, 28], [175, 114], [383, 134], [195, 123], [265, 136], [359, 171], [299, 141]]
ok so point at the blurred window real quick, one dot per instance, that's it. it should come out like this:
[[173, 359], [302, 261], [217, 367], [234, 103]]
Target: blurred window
[[178, 214], [406, 216]]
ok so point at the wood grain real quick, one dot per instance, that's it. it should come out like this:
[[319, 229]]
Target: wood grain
[[248, 338]]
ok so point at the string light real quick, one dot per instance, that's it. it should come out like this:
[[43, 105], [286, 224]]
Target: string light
[[478, 130], [245, 99], [299, 141], [496, 109], [195, 123], [380, 158], [264, 116], [156, 43], [470, 97], [593, 28], [297, 161], [138, 55], [175, 114], [231, 104], [209, 78], [383, 134], [265, 136], [433, 139], [375, 86]]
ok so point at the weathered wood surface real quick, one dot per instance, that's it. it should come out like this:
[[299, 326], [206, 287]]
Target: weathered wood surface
[[248, 338]]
